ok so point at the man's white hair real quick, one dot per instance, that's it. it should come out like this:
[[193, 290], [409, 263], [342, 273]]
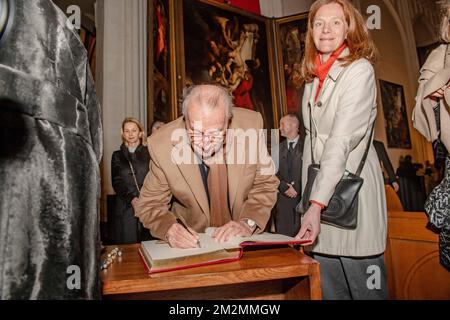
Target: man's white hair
[[208, 95]]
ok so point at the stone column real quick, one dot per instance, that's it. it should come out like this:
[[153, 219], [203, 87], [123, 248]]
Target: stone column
[[122, 71]]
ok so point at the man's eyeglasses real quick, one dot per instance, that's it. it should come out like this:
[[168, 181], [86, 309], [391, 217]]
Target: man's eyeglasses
[[213, 136]]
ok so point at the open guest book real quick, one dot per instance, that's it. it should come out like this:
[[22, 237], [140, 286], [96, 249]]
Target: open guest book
[[158, 256]]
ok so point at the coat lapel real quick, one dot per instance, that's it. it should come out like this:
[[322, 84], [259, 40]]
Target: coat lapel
[[235, 143], [312, 96], [283, 149], [311, 103], [328, 86], [299, 146]]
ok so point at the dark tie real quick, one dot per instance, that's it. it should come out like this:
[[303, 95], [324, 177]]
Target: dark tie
[[291, 146], [289, 160], [204, 171]]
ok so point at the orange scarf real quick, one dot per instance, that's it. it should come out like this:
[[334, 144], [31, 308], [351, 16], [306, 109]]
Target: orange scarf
[[322, 69]]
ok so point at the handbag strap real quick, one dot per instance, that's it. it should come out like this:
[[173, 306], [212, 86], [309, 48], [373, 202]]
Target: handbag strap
[[366, 152], [447, 48], [134, 177]]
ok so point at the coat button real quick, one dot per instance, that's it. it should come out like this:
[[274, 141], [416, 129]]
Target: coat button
[[319, 104]]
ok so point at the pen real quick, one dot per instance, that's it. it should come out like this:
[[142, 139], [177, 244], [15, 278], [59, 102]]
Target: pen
[[184, 226]]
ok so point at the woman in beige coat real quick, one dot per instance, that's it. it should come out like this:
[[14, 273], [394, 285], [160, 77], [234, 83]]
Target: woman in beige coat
[[431, 117], [341, 93], [433, 95]]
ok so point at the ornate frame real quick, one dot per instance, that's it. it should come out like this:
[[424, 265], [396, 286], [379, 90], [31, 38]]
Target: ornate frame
[[268, 100]]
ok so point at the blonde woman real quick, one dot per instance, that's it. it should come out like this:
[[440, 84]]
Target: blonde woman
[[129, 166], [340, 93], [431, 117]]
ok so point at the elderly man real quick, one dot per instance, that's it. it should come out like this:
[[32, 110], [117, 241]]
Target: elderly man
[[207, 186]]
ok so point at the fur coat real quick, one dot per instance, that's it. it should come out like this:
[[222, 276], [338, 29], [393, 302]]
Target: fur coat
[[50, 149]]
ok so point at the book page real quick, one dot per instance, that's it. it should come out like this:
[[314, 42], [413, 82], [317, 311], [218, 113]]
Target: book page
[[159, 250]]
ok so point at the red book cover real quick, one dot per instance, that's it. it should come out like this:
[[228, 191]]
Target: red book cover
[[238, 256]]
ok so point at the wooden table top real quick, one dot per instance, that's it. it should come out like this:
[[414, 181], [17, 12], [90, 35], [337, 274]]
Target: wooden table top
[[129, 275]]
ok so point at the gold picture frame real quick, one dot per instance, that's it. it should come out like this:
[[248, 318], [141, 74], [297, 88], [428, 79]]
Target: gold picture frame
[[290, 34], [209, 48], [161, 50]]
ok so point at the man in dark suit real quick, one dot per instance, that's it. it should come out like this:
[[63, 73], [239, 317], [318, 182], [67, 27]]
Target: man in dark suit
[[287, 221]]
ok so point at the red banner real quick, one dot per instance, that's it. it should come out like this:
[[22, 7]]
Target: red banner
[[248, 5]]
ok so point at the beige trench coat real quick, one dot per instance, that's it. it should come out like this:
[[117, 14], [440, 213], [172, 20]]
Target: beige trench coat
[[433, 75], [342, 119]]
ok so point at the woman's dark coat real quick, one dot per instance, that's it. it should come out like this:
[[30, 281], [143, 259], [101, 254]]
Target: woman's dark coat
[[127, 228]]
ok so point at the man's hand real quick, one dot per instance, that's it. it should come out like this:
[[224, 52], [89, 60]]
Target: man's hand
[[232, 229], [310, 224], [396, 186], [438, 94], [179, 237], [133, 202], [290, 192]]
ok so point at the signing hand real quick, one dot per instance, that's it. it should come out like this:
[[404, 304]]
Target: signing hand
[[231, 229], [179, 237], [310, 224], [290, 192]]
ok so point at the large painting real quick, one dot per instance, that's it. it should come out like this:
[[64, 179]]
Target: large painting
[[291, 32], [396, 119], [228, 46]]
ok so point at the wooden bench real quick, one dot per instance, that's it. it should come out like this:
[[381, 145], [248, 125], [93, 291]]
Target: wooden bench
[[412, 255]]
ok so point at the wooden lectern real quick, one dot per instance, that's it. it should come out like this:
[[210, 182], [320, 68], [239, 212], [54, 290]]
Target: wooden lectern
[[277, 273]]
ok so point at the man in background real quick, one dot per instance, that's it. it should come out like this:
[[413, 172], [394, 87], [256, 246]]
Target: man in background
[[287, 220]]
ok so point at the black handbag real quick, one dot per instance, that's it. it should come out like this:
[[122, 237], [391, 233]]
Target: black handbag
[[342, 210]]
